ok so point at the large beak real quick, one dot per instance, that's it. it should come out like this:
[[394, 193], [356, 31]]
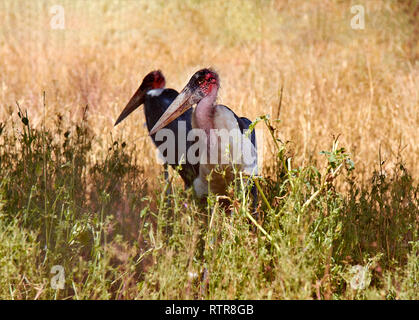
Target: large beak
[[136, 100], [176, 109]]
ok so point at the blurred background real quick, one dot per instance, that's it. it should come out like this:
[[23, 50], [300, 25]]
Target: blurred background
[[361, 84]]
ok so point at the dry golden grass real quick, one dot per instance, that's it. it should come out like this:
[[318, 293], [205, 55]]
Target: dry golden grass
[[118, 235], [361, 84]]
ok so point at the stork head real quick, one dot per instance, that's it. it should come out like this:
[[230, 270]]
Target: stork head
[[203, 83], [153, 80]]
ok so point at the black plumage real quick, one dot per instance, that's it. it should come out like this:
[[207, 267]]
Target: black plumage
[[156, 100]]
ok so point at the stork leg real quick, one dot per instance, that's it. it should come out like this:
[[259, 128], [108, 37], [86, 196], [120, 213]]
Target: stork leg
[[254, 193], [166, 178], [166, 172]]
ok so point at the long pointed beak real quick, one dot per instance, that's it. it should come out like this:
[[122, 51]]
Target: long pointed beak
[[175, 110], [136, 100]]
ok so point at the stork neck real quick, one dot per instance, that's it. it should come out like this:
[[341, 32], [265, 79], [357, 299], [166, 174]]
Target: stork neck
[[205, 111]]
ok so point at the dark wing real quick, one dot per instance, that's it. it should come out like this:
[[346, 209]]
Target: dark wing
[[154, 107], [244, 124]]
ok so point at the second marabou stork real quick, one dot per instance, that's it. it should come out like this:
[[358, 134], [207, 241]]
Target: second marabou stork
[[215, 121], [156, 100]]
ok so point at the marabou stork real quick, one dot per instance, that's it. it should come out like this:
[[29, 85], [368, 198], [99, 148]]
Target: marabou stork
[[156, 100], [214, 120]]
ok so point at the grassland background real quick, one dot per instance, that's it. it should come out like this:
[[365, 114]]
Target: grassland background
[[362, 85]]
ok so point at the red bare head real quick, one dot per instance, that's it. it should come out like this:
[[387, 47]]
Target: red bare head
[[153, 80], [204, 81]]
